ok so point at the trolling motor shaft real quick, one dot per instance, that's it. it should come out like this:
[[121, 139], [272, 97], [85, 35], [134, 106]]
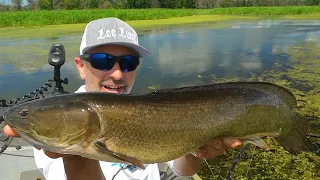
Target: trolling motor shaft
[[57, 58]]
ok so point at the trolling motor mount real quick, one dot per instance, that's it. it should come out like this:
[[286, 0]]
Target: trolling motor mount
[[56, 58]]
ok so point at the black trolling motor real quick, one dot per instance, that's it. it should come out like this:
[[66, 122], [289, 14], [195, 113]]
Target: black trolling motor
[[56, 59]]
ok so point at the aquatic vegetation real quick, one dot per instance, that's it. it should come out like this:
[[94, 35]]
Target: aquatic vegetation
[[214, 79], [57, 17], [141, 26], [256, 164], [199, 76], [30, 58], [154, 87], [272, 10], [301, 76]]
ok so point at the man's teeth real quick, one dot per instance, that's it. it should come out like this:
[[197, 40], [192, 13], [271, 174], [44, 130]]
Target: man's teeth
[[113, 88]]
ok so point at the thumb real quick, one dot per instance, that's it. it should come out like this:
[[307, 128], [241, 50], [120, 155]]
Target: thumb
[[232, 143], [10, 132]]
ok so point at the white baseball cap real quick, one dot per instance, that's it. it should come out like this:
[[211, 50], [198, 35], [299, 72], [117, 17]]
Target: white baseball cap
[[110, 31]]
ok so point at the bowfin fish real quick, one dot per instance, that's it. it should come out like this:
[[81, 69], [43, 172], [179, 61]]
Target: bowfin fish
[[162, 125]]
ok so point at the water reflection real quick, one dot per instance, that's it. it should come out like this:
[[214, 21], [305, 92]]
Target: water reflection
[[179, 56]]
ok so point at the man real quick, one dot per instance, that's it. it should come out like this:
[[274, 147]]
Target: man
[[103, 42]]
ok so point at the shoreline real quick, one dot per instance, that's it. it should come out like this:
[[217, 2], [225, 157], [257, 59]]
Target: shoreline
[[49, 31]]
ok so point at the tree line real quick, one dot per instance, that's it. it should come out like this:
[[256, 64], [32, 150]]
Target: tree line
[[130, 4]]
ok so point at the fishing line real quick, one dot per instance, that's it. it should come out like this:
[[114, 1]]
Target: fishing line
[[315, 144], [121, 168], [117, 173], [236, 161], [209, 167], [240, 154], [254, 149], [6, 145]]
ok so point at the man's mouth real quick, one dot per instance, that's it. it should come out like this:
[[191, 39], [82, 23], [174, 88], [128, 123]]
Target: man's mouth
[[113, 89]]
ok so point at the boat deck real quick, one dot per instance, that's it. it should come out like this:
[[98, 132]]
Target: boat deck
[[17, 164]]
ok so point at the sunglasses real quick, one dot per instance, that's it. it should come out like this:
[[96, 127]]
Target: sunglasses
[[105, 62]]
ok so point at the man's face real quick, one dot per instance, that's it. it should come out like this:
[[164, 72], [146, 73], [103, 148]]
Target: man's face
[[114, 80]]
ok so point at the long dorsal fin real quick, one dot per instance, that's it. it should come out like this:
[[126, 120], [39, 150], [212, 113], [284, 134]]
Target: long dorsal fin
[[248, 89]]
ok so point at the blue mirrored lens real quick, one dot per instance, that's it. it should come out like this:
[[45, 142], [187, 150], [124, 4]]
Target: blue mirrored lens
[[129, 63], [102, 61]]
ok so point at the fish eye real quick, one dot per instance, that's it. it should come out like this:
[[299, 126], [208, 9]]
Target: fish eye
[[24, 112]]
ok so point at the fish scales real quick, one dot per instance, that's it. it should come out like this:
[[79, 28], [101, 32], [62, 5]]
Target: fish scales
[[162, 125]]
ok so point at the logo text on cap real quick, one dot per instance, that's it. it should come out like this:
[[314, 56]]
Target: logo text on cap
[[122, 32]]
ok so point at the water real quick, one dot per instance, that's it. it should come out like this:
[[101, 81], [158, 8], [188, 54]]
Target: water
[[281, 51], [180, 56]]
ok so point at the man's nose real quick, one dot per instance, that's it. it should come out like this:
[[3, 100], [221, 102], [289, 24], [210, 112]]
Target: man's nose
[[116, 72]]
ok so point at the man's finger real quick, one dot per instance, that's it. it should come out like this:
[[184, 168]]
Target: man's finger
[[232, 143], [209, 154], [213, 145], [55, 155], [10, 132], [51, 155]]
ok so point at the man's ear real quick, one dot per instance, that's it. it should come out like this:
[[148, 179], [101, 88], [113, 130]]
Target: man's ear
[[80, 67]]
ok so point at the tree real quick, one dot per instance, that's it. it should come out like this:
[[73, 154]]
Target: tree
[[139, 3], [95, 4], [190, 3], [155, 4], [57, 4], [167, 3], [71, 4], [17, 4], [32, 5], [106, 5], [119, 3], [45, 4]]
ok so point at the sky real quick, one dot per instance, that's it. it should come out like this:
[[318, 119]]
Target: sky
[[6, 2]]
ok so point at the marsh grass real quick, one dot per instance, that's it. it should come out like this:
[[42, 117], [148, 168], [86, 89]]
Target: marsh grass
[[41, 18], [275, 10], [51, 31]]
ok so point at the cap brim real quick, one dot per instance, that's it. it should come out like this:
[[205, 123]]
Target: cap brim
[[142, 52]]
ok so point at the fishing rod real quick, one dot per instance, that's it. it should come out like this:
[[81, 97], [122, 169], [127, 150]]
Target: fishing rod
[[56, 58]]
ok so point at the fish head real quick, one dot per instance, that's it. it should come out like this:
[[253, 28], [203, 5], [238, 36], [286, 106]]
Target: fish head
[[58, 121]]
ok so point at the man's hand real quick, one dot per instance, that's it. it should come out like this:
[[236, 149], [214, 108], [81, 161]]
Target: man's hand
[[76, 167], [217, 147], [10, 132]]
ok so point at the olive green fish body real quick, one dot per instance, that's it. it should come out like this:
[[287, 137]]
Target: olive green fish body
[[155, 132], [159, 126]]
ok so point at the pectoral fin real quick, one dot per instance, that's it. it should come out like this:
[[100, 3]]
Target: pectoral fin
[[101, 146], [257, 141]]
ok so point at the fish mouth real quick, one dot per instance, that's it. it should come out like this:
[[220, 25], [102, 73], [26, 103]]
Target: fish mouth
[[18, 122]]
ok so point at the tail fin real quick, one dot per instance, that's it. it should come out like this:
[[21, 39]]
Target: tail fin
[[295, 141]]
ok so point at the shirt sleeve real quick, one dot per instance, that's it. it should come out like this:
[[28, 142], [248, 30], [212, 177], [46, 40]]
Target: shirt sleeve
[[174, 170], [52, 169]]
